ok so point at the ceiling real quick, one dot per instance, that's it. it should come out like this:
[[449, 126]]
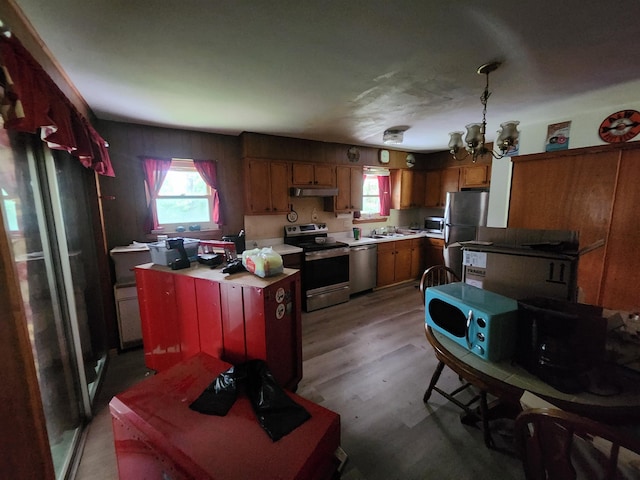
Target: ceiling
[[342, 71]]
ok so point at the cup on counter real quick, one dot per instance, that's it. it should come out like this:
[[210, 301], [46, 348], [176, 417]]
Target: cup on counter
[[356, 233]]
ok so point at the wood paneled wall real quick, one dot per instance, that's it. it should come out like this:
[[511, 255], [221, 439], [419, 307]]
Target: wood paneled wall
[[123, 198]]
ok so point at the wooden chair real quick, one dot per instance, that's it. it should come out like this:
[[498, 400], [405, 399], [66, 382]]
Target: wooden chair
[[558, 445], [436, 275], [432, 277]]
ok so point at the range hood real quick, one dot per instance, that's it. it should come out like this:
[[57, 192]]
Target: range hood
[[314, 192]]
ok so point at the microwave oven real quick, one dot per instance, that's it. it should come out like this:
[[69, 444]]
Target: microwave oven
[[481, 321], [434, 225]]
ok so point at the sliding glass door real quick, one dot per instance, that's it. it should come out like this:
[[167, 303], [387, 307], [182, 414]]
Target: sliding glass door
[[50, 228]]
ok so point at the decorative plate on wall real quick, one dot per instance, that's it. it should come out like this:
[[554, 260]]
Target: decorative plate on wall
[[292, 216], [621, 126], [353, 154]]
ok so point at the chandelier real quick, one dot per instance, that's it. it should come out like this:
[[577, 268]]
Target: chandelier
[[474, 141]]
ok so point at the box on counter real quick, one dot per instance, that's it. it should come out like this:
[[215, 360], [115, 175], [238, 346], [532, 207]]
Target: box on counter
[[161, 255]]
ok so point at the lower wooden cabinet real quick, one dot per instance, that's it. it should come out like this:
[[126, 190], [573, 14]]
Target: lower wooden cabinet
[[394, 262], [433, 252]]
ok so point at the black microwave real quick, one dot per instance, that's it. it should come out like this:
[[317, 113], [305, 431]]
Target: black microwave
[[434, 225]]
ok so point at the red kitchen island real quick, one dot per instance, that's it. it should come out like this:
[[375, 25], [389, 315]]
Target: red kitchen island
[[234, 317]]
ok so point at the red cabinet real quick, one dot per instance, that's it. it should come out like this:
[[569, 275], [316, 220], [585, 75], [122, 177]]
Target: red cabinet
[[235, 318]]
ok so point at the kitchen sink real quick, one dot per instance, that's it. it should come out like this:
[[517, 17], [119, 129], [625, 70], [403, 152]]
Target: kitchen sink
[[388, 235]]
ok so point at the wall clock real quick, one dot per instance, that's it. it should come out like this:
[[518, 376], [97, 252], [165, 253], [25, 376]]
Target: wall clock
[[353, 154], [384, 156], [411, 160], [621, 126]]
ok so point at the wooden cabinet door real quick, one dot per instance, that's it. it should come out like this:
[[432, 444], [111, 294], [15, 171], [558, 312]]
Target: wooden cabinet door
[[302, 174], [432, 182], [568, 192], [386, 264], [279, 187], [324, 176], [475, 176], [433, 252], [401, 188], [620, 286], [403, 259], [418, 189], [258, 187], [417, 256], [356, 177], [349, 182], [449, 183]]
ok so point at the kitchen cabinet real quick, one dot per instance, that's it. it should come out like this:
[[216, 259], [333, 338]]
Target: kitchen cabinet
[[433, 252], [474, 176], [449, 182], [394, 262], [266, 187], [407, 189], [309, 174], [432, 187], [234, 317], [417, 256], [349, 198]]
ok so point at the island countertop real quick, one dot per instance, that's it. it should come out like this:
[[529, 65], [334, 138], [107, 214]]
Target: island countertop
[[215, 274]]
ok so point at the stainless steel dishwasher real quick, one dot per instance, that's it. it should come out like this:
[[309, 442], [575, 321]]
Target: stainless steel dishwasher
[[363, 263]]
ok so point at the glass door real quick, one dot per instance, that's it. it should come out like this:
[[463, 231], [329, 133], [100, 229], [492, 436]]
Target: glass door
[[51, 241]]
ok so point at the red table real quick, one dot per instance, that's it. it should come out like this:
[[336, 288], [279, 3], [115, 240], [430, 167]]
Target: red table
[[157, 436]]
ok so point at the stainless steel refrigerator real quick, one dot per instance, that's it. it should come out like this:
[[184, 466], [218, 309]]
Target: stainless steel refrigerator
[[464, 212]]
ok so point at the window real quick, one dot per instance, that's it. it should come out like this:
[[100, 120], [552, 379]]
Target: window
[[375, 193], [184, 198], [370, 195]]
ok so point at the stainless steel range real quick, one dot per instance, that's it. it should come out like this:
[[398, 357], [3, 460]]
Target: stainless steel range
[[325, 269]]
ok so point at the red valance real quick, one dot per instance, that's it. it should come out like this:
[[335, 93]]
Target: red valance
[[30, 100]]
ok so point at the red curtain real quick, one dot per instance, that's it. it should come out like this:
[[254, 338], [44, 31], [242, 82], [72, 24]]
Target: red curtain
[[384, 191], [155, 171], [208, 171], [30, 100]]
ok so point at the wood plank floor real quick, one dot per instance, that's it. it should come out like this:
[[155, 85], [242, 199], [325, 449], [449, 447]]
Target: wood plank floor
[[369, 361]]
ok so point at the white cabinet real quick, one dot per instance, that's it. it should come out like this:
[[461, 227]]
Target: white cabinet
[[128, 313]]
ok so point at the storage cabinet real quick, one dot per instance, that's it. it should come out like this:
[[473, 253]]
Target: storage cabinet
[[472, 176], [309, 174], [266, 187], [433, 252], [394, 262], [402, 189], [417, 256], [349, 198], [449, 182], [432, 182], [184, 312]]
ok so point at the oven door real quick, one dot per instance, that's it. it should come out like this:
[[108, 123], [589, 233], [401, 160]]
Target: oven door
[[325, 277]]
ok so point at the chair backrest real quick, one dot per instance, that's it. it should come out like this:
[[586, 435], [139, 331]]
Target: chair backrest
[[436, 275], [558, 445]]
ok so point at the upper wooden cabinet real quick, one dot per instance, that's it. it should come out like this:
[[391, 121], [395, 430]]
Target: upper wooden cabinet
[[432, 197], [449, 182], [407, 188], [349, 183], [310, 174], [266, 187], [475, 176]]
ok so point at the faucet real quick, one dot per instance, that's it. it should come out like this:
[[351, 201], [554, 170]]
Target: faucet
[[373, 232]]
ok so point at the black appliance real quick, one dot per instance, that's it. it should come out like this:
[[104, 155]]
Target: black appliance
[[238, 240], [561, 342], [325, 266]]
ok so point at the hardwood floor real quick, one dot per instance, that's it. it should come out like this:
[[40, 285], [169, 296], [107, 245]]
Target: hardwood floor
[[369, 361]]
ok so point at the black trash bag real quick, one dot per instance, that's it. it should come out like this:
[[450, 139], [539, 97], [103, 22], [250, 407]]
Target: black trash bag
[[277, 413], [218, 398]]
